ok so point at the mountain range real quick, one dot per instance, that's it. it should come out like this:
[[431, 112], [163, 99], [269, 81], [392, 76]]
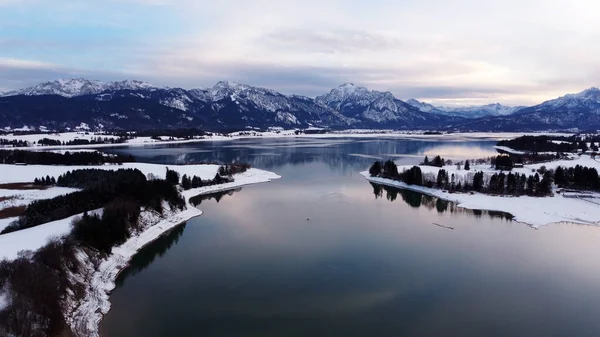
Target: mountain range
[[136, 105]]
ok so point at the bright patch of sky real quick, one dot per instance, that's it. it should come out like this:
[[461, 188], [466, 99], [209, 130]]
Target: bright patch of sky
[[445, 52]]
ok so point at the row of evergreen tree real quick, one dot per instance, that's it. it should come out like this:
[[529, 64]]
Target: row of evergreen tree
[[68, 158], [81, 141], [12, 143], [498, 183], [223, 175], [578, 177], [437, 161], [552, 143]]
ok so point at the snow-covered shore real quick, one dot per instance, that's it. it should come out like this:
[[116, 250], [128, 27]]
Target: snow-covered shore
[[534, 211], [355, 133], [85, 315]]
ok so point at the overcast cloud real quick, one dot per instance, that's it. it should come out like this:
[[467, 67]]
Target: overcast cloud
[[446, 52]]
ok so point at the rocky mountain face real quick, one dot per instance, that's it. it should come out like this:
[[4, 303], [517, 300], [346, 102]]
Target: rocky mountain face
[[135, 105]]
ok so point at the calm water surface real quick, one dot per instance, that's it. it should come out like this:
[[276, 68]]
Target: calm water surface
[[322, 252]]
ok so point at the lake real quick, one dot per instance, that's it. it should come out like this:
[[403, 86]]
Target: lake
[[322, 252]]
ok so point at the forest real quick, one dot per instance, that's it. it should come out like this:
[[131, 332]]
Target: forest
[[68, 158], [538, 184], [99, 187], [552, 143]]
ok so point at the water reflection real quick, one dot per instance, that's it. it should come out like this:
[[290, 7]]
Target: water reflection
[[149, 253], [340, 155], [418, 200], [197, 200]]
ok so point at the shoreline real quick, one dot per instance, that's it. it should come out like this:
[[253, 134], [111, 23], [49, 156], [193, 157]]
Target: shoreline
[[359, 133], [85, 315], [532, 211]]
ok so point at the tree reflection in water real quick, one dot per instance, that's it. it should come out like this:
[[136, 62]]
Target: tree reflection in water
[[417, 200], [160, 246], [197, 200], [149, 253]]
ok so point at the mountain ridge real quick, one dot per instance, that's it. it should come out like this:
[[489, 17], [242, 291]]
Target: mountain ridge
[[132, 104]]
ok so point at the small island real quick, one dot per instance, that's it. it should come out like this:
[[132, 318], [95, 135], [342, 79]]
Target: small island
[[542, 181]]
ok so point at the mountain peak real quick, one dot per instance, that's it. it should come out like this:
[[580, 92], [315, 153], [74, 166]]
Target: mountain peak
[[592, 92]]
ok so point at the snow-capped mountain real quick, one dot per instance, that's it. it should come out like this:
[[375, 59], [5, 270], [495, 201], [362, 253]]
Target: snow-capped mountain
[[229, 105], [78, 87], [134, 105], [495, 109], [580, 111], [376, 108], [349, 98], [588, 99]]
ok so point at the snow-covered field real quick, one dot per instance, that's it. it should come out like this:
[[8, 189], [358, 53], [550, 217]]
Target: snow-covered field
[[34, 238], [24, 197], [533, 211]]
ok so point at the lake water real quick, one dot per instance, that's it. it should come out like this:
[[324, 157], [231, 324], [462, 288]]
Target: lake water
[[322, 252]]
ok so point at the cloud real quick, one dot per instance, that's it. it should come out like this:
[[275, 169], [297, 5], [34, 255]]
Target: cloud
[[463, 51]]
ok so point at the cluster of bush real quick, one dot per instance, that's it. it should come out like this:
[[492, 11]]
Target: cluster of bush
[[235, 168], [223, 175], [389, 170], [68, 158], [437, 162], [45, 181]]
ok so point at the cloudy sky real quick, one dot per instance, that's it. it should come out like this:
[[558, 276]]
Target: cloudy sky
[[446, 52]]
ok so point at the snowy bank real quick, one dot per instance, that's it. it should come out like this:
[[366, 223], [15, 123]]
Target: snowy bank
[[86, 314], [352, 133], [534, 211]]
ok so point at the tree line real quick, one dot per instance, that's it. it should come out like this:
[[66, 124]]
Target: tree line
[[99, 188], [13, 143], [91, 141], [68, 158], [552, 143], [539, 184]]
